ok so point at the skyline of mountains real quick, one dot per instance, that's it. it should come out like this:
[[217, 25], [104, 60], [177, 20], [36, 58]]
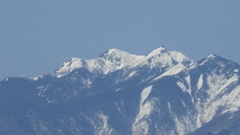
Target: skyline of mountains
[[163, 92]]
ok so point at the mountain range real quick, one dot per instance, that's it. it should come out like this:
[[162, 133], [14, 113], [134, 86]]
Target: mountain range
[[160, 93]]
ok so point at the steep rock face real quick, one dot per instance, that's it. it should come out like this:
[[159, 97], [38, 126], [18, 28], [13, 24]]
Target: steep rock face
[[163, 92]]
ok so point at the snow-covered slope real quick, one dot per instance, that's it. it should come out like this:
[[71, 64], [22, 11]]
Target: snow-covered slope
[[163, 92]]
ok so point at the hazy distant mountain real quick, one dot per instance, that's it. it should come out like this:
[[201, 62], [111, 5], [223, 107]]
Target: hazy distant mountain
[[161, 93]]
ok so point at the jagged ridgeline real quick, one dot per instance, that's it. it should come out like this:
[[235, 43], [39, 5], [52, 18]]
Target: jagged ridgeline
[[160, 93]]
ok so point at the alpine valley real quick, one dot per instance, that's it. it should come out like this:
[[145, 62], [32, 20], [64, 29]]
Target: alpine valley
[[161, 93]]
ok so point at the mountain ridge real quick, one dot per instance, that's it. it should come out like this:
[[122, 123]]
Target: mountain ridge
[[115, 59]]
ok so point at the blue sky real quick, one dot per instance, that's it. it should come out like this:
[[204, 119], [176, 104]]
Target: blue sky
[[36, 37]]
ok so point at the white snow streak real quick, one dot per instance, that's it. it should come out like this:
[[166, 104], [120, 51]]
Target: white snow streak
[[207, 59], [118, 89], [200, 82], [131, 74], [145, 94], [183, 87], [140, 126]]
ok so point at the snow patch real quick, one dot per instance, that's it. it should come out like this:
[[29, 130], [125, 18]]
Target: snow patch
[[184, 87], [118, 89], [131, 74], [236, 71], [188, 79], [141, 125], [145, 94], [200, 82], [37, 78]]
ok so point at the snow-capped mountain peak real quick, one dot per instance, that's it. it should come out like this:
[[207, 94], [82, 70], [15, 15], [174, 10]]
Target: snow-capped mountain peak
[[162, 57], [69, 66], [113, 51], [157, 52], [115, 59], [208, 58], [215, 61], [159, 57], [120, 57]]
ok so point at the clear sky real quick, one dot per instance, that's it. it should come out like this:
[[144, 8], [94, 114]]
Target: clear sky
[[37, 36]]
